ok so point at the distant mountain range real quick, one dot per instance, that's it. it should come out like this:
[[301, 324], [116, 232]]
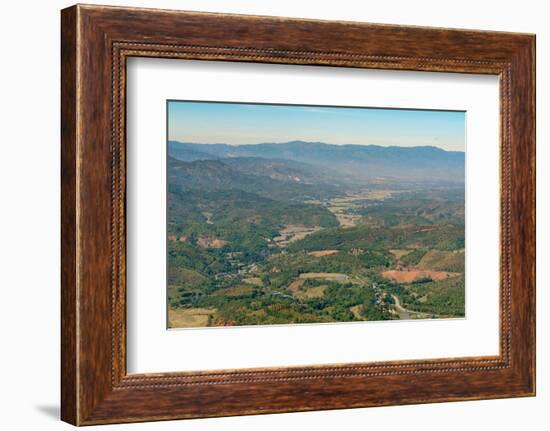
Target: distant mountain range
[[272, 179], [362, 162]]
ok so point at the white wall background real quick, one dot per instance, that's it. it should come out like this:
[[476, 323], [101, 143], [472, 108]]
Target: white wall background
[[29, 216]]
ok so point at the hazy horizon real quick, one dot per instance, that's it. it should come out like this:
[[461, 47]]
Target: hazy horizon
[[314, 142], [239, 124]]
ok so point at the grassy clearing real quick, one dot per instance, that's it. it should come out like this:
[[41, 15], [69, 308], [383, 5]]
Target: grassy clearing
[[189, 317], [234, 291], [399, 253], [331, 276], [311, 292], [438, 260], [294, 232], [322, 253], [181, 276], [257, 281], [357, 311]]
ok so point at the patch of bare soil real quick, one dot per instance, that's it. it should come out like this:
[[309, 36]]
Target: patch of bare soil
[[210, 242], [410, 275], [294, 287], [174, 238], [322, 253]]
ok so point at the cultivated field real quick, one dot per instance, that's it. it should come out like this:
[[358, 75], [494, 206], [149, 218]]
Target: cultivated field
[[412, 275], [189, 317]]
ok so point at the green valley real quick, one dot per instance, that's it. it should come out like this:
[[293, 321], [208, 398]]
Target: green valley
[[268, 234]]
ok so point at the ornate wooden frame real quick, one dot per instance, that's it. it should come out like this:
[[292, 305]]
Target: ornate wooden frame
[[96, 41]]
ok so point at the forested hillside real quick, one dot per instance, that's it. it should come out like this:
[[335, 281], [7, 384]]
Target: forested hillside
[[309, 232]]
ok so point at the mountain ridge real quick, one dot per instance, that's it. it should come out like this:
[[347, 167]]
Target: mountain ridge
[[311, 143], [362, 161]]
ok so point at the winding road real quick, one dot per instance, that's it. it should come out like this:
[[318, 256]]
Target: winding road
[[405, 313]]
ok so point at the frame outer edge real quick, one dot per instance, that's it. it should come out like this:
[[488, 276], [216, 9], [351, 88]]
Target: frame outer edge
[[69, 202], [523, 216], [528, 61], [533, 53]]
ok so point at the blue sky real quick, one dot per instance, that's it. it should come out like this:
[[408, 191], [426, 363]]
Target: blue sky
[[247, 123]]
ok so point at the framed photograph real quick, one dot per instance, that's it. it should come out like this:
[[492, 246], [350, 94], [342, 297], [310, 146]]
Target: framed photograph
[[264, 214]]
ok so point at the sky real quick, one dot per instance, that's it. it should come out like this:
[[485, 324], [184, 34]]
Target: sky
[[248, 123]]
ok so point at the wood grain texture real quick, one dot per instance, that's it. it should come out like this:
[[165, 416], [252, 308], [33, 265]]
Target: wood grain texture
[[96, 41], [69, 397]]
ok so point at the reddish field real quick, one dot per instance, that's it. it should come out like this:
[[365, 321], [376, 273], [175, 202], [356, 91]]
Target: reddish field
[[410, 275]]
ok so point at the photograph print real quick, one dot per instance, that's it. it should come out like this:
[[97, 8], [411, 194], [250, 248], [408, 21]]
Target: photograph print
[[299, 214]]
